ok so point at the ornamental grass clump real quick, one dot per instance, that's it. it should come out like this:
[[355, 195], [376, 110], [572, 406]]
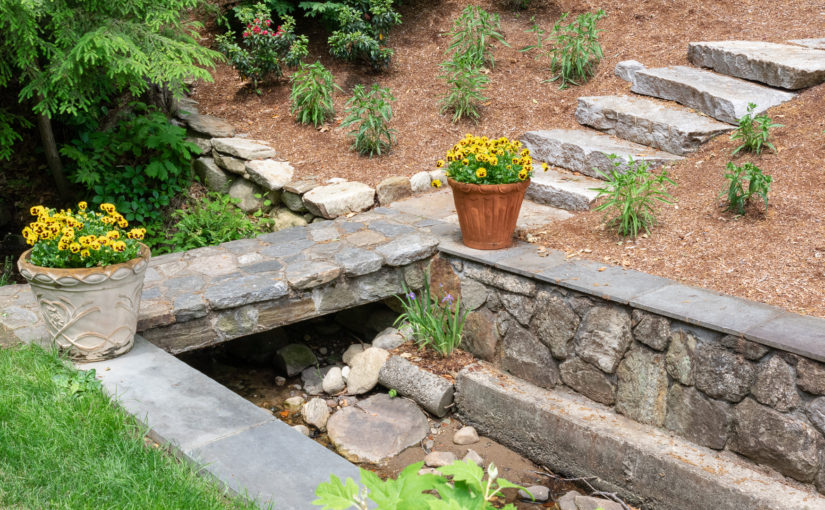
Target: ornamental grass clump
[[436, 324], [82, 238], [482, 160]]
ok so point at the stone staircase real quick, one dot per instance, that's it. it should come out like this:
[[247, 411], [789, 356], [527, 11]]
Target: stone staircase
[[710, 102]]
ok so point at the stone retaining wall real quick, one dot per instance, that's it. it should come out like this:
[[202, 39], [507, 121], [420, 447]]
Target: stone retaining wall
[[251, 172], [717, 390]]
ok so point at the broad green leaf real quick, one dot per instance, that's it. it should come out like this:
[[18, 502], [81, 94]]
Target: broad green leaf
[[334, 495]]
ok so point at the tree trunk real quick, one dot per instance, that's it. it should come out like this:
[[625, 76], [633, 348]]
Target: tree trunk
[[44, 125]]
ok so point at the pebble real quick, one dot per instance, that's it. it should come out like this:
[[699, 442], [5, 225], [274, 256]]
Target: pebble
[[473, 456], [428, 445], [296, 387], [438, 459], [280, 381], [316, 413], [294, 403], [345, 373], [539, 492], [333, 381], [303, 429], [332, 403], [323, 350], [351, 351], [466, 435], [428, 471]]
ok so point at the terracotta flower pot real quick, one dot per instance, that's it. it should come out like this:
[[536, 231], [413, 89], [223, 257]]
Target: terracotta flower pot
[[487, 213], [92, 312]]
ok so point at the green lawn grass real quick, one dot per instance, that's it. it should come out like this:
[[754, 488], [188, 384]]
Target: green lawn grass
[[63, 444]]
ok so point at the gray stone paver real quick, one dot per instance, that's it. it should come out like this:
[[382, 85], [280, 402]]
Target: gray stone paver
[[240, 444]]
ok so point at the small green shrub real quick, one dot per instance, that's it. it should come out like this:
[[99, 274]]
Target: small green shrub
[[359, 28], [575, 50], [465, 94], [369, 115], [139, 165], [738, 197], [264, 50], [631, 196], [208, 222], [754, 132], [311, 95], [472, 36], [437, 325], [469, 490]]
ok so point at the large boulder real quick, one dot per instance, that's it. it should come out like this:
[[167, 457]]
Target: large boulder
[[336, 200], [377, 428], [284, 218], [720, 373], [269, 174], [642, 391], [246, 192], [589, 381], [694, 416], [209, 125], [243, 148], [433, 393], [364, 370], [525, 357], [212, 176], [775, 385], [555, 324], [292, 359], [392, 189]]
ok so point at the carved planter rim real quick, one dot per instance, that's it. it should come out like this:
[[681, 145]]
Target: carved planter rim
[[70, 277]]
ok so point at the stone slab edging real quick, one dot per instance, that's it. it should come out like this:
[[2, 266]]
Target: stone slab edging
[[768, 325], [646, 465], [241, 445]]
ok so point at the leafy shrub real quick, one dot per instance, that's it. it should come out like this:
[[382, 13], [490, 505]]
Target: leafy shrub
[[437, 325], [139, 165], [208, 222], [754, 132], [738, 197], [575, 51], [311, 95], [469, 489], [361, 28], [472, 35], [266, 50], [631, 196], [465, 94], [369, 113]]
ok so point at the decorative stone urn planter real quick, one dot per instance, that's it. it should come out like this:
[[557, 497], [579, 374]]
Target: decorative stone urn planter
[[487, 213], [91, 312]]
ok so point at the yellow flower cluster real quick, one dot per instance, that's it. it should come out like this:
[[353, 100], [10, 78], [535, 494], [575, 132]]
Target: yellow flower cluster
[[482, 160], [82, 232]]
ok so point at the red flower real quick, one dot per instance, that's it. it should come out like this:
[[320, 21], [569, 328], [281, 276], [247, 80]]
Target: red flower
[[265, 32], [257, 30], [268, 22], [249, 25], [246, 34], [257, 21]]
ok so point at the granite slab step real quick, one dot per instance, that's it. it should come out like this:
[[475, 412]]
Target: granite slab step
[[562, 189], [722, 97], [584, 150], [777, 65], [241, 445], [817, 44], [671, 128]]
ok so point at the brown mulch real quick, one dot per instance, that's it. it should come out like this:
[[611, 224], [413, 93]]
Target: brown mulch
[[447, 367], [775, 258]]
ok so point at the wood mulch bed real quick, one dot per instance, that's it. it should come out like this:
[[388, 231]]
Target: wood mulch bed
[[775, 258]]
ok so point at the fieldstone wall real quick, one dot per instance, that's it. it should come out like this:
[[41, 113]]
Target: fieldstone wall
[[251, 172], [719, 391]]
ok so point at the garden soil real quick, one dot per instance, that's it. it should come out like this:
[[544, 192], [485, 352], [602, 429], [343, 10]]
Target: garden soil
[[775, 258]]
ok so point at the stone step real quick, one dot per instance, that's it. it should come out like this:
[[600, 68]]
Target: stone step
[[817, 44], [722, 97], [777, 65], [562, 189], [583, 150], [671, 128]]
